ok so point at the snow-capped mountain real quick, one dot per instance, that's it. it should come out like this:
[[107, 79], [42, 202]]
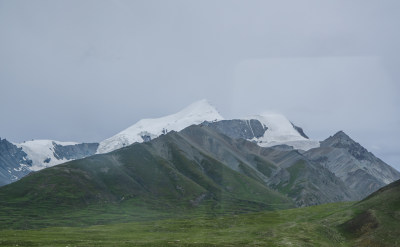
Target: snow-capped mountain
[[148, 129], [42, 152], [13, 162], [19, 159], [266, 130], [281, 131], [278, 129]]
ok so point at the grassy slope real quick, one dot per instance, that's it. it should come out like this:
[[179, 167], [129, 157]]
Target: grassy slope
[[129, 184], [311, 226], [376, 219], [371, 222]]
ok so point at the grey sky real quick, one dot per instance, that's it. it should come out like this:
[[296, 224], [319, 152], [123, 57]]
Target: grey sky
[[84, 70]]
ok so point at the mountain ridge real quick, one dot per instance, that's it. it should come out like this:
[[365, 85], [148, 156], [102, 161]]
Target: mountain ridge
[[167, 174], [46, 153], [353, 164], [292, 159]]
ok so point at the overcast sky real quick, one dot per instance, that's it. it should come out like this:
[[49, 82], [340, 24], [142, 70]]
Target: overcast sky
[[85, 70]]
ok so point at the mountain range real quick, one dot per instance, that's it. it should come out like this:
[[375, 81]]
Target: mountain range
[[19, 159], [193, 160]]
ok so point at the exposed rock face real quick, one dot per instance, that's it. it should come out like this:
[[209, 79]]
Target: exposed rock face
[[342, 140], [73, 152], [285, 170], [13, 162], [237, 128], [307, 182], [359, 169], [300, 130], [265, 130], [340, 168]]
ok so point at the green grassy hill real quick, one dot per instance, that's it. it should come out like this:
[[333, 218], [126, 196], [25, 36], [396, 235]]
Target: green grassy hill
[[376, 219], [371, 222], [193, 188], [134, 183]]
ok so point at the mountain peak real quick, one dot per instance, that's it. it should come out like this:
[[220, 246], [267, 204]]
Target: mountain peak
[[276, 122], [201, 103], [341, 134], [147, 129], [201, 108], [281, 131], [339, 139], [342, 140]]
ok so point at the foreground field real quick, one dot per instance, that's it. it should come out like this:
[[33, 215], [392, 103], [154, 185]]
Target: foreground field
[[374, 221], [312, 226]]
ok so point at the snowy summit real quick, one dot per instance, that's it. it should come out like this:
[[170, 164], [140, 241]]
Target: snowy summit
[[281, 131], [148, 129], [39, 154]]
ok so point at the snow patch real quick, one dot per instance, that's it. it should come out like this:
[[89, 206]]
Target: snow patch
[[21, 167], [40, 150]]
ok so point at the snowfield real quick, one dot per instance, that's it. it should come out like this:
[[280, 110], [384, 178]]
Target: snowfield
[[40, 151]]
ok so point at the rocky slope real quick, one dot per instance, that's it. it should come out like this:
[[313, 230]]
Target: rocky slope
[[359, 169], [280, 168], [13, 162], [18, 160]]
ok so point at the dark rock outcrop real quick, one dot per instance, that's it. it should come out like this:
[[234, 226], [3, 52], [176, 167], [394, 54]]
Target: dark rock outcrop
[[72, 152], [237, 128], [13, 162]]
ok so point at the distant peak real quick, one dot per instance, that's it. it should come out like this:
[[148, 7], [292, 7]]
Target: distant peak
[[276, 123], [340, 139], [201, 107], [341, 134], [201, 103]]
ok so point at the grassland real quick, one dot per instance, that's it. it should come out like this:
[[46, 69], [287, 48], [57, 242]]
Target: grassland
[[311, 226], [374, 221]]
